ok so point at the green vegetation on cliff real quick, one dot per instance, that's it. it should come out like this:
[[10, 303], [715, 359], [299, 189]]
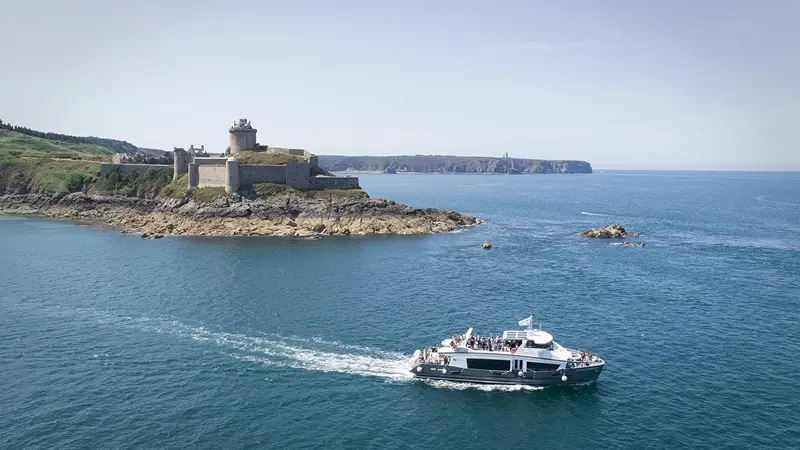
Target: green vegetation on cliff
[[87, 144], [14, 144], [264, 190], [449, 164], [150, 184], [19, 175], [22, 175]]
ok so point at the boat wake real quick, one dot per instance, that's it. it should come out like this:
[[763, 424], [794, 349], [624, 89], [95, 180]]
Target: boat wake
[[293, 352], [296, 352], [313, 354]]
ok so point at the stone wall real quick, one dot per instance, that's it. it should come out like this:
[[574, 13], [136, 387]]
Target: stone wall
[[133, 168], [213, 160], [297, 175], [211, 175], [249, 174], [333, 183]]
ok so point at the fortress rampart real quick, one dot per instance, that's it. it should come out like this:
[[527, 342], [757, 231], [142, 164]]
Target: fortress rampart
[[228, 172]]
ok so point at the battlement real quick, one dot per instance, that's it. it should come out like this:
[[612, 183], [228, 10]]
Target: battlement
[[242, 125]]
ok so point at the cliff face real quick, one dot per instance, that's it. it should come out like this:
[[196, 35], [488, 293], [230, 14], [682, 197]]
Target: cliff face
[[449, 164]]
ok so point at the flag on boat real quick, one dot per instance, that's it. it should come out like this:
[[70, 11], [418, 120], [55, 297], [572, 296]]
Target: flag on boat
[[526, 322]]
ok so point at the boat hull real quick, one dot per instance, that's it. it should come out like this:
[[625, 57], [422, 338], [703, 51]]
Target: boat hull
[[538, 378]]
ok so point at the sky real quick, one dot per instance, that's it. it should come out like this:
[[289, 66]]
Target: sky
[[622, 84]]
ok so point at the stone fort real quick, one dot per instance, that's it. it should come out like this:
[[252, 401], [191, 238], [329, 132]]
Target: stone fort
[[226, 170]]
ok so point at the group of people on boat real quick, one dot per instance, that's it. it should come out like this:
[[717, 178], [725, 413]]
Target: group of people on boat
[[586, 359], [492, 344], [431, 355]]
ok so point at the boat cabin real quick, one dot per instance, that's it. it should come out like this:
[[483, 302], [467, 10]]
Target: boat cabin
[[529, 338]]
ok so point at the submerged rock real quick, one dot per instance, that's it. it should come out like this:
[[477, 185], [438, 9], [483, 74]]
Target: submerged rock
[[633, 244], [611, 231]]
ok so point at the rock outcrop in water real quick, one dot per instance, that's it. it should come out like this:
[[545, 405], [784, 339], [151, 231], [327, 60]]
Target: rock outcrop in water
[[611, 231], [279, 215]]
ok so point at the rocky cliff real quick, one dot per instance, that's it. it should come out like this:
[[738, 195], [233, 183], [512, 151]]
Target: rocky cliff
[[449, 164], [153, 205]]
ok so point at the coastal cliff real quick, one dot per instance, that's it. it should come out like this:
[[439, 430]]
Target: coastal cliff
[[152, 204], [449, 164]]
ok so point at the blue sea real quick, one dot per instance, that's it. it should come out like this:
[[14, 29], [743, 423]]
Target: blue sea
[[111, 341]]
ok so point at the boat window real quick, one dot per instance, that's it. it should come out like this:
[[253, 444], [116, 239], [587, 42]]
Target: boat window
[[488, 364], [541, 366], [531, 344]]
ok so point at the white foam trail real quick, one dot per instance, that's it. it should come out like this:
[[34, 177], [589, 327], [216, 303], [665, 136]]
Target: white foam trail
[[292, 351], [295, 352], [591, 214]]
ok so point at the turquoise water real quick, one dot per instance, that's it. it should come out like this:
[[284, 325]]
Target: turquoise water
[[111, 341]]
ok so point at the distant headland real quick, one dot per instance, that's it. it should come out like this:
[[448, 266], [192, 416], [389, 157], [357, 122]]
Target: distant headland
[[247, 190], [450, 164]]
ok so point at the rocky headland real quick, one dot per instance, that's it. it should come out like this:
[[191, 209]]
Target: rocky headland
[[609, 232], [154, 205], [231, 216]]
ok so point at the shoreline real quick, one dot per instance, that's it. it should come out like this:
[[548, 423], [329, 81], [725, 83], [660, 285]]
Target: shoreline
[[173, 217]]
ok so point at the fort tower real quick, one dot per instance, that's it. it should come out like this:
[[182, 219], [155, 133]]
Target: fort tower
[[181, 163], [243, 136]]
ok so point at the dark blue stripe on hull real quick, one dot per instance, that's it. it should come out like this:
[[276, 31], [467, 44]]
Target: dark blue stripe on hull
[[456, 374]]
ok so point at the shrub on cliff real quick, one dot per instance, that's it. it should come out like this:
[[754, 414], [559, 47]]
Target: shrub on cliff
[[177, 188], [207, 194], [144, 185], [23, 175]]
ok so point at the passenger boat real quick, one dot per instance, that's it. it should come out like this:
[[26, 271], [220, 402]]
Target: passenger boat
[[528, 357]]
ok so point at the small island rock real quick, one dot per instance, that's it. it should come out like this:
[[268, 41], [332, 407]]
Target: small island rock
[[486, 245], [611, 231]]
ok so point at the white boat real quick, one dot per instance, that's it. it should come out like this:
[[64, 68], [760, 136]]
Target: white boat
[[529, 357]]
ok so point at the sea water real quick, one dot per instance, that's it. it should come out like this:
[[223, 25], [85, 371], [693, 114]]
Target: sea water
[[111, 341]]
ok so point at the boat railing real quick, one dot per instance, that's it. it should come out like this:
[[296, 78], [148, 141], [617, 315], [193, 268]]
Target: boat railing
[[572, 363]]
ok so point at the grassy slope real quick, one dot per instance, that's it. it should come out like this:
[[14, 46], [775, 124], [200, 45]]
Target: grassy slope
[[47, 174], [13, 144], [265, 158]]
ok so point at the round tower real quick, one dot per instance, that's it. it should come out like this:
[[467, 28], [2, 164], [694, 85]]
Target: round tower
[[231, 175], [243, 136]]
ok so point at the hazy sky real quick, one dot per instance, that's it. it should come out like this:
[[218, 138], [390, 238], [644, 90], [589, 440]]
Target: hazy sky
[[622, 84]]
